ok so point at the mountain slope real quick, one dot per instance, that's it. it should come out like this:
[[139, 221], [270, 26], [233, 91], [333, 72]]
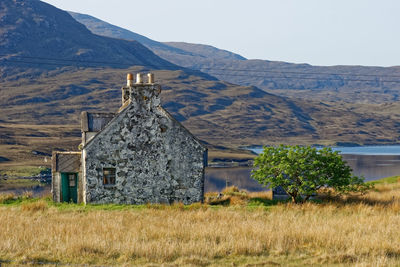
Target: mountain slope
[[353, 84], [42, 113], [167, 49], [33, 31], [36, 30], [205, 51], [217, 112], [98, 26]]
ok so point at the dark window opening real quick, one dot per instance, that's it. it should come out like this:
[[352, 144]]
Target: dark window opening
[[108, 176]]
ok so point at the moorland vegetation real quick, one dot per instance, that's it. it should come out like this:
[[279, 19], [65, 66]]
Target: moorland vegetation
[[235, 228]]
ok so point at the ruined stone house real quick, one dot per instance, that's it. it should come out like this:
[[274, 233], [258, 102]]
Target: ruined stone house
[[138, 155]]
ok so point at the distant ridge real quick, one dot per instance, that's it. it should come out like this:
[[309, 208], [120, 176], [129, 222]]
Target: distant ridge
[[100, 27], [354, 84], [195, 51]]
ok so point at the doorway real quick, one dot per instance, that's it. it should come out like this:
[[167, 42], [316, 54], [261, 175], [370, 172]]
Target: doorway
[[69, 187]]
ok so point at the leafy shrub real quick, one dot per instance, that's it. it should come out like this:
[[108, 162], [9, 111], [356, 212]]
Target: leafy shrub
[[302, 171]]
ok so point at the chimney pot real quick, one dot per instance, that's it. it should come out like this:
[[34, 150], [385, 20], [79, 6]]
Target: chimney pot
[[139, 78], [129, 79], [150, 77]]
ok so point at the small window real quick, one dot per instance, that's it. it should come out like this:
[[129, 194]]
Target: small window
[[108, 176], [71, 178]]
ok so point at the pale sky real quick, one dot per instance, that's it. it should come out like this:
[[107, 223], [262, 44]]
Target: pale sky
[[318, 32]]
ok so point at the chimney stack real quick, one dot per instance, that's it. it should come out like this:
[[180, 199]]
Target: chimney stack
[[141, 89], [150, 78], [129, 79], [139, 78]]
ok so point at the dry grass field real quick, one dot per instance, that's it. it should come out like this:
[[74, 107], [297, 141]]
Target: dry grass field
[[249, 230]]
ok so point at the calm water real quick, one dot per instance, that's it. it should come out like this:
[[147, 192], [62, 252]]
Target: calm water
[[372, 162], [37, 190]]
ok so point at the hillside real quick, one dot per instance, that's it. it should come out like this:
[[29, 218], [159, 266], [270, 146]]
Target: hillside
[[205, 51], [102, 28], [41, 103], [34, 34], [42, 114], [353, 84], [175, 51]]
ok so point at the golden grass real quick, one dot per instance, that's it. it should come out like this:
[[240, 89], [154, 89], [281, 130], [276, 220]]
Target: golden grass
[[6, 197], [361, 231], [40, 205], [229, 153]]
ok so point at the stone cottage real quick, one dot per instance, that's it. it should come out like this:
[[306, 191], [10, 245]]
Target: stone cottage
[[138, 155]]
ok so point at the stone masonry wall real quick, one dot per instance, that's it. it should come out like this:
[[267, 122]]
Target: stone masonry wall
[[156, 159]]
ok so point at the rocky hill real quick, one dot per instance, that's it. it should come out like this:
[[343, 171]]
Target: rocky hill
[[37, 35]]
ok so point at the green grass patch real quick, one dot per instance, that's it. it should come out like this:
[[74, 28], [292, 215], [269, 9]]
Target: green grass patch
[[257, 201], [12, 200], [23, 171], [387, 180], [232, 197], [112, 207]]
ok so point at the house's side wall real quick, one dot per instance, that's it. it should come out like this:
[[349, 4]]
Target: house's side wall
[[83, 173], [156, 160], [185, 161], [80, 186]]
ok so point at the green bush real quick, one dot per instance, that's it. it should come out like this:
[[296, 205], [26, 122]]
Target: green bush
[[302, 171]]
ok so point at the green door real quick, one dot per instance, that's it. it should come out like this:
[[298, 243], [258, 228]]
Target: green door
[[69, 187]]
